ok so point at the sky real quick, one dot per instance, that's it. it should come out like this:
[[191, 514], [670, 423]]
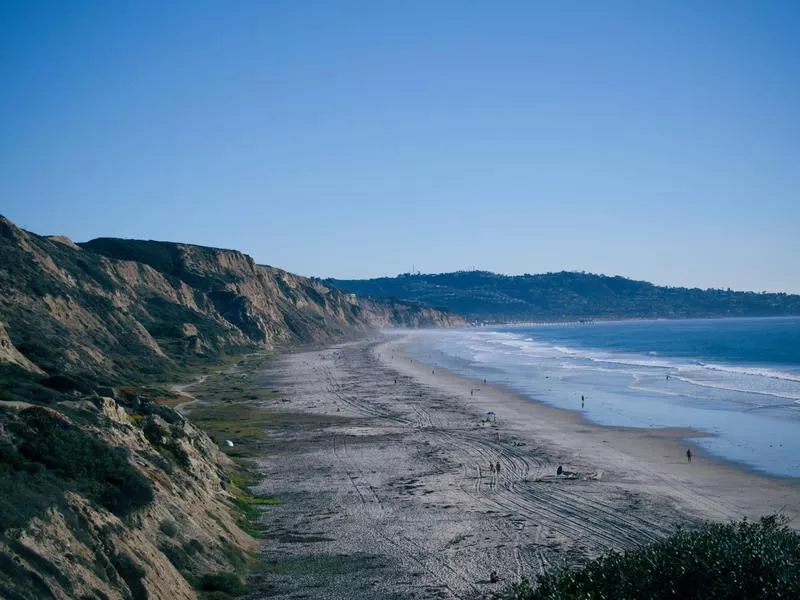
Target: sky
[[649, 139]]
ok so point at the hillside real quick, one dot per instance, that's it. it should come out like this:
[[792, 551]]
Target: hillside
[[106, 490], [114, 310], [484, 296]]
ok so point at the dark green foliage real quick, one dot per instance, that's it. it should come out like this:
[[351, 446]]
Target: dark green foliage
[[132, 574], [176, 555], [165, 412], [228, 583], [193, 547], [738, 560], [166, 258], [26, 489], [481, 295], [63, 383], [17, 384], [168, 528], [54, 456], [165, 323], [161, 462]]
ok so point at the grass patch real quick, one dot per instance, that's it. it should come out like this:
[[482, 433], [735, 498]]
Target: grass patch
[[238, 422], [249, 510], [170, 401]]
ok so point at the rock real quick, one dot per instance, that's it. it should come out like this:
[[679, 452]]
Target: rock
[[110, 408], [156, 429]]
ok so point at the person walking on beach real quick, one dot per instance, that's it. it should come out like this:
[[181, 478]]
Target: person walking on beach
[[581, 400], [689, 455], [497, 468]]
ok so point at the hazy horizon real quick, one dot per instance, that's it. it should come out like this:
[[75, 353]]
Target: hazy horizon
[[358, 140]]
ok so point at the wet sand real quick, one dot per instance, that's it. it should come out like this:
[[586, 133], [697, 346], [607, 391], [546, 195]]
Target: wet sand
[[384, 473]]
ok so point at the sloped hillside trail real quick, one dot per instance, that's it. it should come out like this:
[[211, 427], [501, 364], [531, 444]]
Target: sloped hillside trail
[[181, 388], [395, 485]]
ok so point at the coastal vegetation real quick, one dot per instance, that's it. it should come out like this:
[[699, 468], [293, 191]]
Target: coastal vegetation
[[743, 559], [491, 297]]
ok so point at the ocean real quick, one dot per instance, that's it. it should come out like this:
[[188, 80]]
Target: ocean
[[735, 380]]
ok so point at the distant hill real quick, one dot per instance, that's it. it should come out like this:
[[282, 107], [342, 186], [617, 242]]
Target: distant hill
[[485, 296]]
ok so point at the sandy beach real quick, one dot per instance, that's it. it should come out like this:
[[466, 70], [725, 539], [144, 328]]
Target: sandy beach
[[388, 477]]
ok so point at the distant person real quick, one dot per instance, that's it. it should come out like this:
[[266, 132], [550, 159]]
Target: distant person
[[484, 381], [689, 455], [582, 401], [493, 577], [667, 376], [491, 468], [497, 468]]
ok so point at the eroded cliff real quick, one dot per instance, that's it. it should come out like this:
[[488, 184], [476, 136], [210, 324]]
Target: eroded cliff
[[120, 310], [105, 491]]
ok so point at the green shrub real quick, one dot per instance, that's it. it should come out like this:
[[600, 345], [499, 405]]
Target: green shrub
[[176, 555], [168, 528], [724, 561], [132, 574], [165, 412], [63, 383], [193, 546], [228, 583], [83, 462]]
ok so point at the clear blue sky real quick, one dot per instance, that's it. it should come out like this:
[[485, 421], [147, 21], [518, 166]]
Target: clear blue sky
[[652, 139]]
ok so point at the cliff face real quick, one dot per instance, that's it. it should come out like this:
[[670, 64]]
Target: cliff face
[[117, 310], [104, 502], [106, 492]]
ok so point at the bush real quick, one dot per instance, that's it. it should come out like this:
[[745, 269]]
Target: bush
[[165, 412], [168, 528], [176, 555], [63, 383], [193, 547], [737, 560], [132, 574], [228, 583], [83, 462]]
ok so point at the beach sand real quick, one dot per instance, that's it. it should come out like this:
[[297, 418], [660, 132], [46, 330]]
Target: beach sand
[[387, 490]]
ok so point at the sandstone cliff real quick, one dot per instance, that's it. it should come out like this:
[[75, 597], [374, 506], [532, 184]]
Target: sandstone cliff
[[106, 492], [121, 310], [104, 502]]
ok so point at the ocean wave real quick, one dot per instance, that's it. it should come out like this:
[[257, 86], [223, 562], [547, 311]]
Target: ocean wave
[[728, 388], [755, 372]]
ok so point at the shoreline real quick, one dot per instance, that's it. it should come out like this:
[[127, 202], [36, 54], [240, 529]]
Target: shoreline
[[682, 436], [670, 442], [393, 484], [742, 413]]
